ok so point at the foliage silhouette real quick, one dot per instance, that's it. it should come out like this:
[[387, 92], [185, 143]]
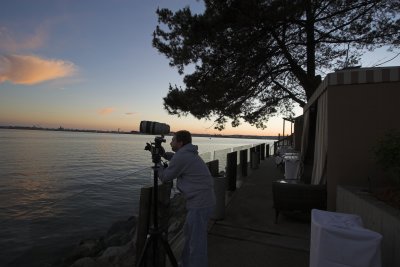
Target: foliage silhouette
[[255, 59]]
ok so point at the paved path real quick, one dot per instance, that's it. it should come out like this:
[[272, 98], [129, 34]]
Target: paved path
[[249, 236]]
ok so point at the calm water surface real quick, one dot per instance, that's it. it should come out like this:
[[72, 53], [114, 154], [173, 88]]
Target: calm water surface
[[57, 188]]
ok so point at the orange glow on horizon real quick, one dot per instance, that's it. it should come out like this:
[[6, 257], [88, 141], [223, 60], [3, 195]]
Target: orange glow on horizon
[[193, 127]]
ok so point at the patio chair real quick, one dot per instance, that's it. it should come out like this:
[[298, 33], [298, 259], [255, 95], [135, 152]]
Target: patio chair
[[297, 196]]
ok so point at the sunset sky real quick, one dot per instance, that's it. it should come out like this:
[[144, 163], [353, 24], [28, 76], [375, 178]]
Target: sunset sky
[[89, 64]]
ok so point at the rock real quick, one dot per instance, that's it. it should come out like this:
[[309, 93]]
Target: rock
[[117, 256], [177, 215], [117, 239], [120, 233], [113, 253], [117, 247], [86, 248], [122, 226], [85, 262]]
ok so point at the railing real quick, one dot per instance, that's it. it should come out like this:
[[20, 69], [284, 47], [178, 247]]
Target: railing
[[235, 163], [221, 155], [284, 142]]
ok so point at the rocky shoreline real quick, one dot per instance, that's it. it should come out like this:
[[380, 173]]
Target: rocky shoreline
[[117, 247]]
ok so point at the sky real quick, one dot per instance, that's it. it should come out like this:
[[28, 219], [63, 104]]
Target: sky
[[90, 64]]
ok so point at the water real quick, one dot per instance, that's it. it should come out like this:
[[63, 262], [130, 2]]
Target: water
[[57, 188]]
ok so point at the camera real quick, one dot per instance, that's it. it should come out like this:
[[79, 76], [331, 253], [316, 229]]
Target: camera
[[153, 127], [156, 148]]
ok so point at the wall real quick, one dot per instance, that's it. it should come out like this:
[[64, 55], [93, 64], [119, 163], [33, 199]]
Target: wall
[[376, 216], [358, 114]]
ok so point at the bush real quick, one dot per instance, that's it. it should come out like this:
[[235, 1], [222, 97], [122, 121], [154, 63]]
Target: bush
[[387, 153]]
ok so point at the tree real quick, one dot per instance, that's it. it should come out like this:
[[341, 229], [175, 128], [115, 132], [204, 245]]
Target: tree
[[255, 59]]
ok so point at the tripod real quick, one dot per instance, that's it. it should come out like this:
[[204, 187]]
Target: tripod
[[155, 234]]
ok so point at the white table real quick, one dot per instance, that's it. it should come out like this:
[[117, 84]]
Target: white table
[[339, 239]]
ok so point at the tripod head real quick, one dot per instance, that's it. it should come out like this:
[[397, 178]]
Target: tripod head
[[156, 148]]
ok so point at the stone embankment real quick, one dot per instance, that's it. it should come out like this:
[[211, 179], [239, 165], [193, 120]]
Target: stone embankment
[[117, 248]]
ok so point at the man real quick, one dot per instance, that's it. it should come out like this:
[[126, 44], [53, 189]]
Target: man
[[196, 183]]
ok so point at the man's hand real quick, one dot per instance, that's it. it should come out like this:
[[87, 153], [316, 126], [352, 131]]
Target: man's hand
[[168, 155]]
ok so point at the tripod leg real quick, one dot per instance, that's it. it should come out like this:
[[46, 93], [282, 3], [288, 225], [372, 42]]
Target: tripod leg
[[154, 234], [149, 239], [156, 258], [169, 252]]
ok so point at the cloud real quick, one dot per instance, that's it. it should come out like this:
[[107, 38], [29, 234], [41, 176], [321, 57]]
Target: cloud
[[130, 113], [11, 44], [31, 69], [105, 111]]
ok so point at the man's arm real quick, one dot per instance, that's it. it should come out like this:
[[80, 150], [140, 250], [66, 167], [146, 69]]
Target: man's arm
[[168, 155], [171, 172]]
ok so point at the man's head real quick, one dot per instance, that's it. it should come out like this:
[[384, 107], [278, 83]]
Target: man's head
[[180, 139]]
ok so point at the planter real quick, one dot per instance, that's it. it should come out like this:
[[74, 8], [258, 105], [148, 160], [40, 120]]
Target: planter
[[377, 216]]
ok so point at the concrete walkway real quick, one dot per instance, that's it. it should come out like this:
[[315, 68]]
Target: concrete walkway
[[248, 235]]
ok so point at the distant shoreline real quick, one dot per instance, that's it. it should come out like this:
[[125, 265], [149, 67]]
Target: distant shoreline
[[131, 132]]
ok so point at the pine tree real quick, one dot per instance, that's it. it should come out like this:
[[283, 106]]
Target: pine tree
[[255, 59]]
